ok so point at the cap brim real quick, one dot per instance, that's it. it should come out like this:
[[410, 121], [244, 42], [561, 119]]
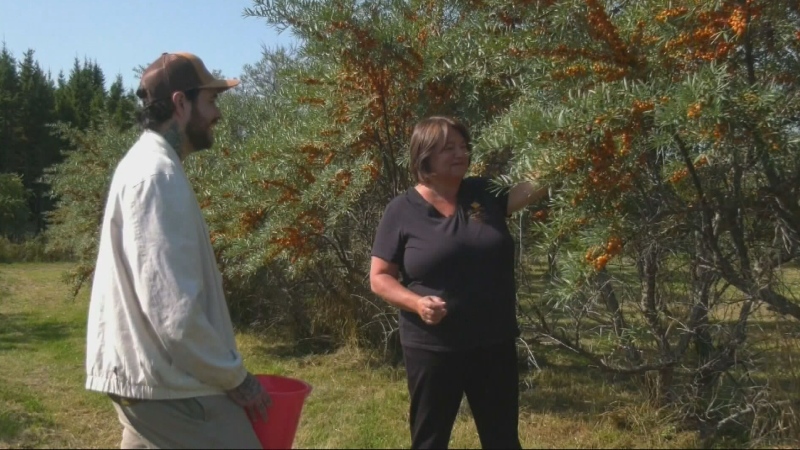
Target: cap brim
[[220, 84]]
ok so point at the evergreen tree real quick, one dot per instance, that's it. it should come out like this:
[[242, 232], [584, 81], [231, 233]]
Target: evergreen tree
[[39, 148], [30, 103], [120, 105], [13, 205], [65, 109], [82, 96], [9, 105], [115, 93]]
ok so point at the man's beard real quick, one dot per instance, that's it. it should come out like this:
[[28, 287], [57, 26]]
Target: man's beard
[[198, 131]]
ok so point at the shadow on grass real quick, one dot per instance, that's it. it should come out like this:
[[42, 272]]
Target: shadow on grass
[[22, 329], [570, 391], [299, 349], [23, 421], [561, 383]]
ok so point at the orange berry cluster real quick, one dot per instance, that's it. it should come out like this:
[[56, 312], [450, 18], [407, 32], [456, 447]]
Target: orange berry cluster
[[373, 168], [330, 132], [599, 256], [342, 179], [214, 236], [666, 14], [314, 101], [311, 220], [308, 177], [627, 141], [313, 151], [575, 70], [571, 165], [541, 215], [680, 174], [695, 110], [738, 20], [604, 177], [719, 132], [289, 194], [607, 174], [295, 240], [703, 44], [341, 115], [601, 28], [642, 106], [291, 240], [250, 219], [364, 75], [609, 73], [516, 52]]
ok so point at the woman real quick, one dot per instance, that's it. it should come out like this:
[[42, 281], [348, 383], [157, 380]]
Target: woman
[[447, 240]]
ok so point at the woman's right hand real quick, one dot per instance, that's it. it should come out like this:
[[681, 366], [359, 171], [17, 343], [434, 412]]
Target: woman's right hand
[[431, 309]]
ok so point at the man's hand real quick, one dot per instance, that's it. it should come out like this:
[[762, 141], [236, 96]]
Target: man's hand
[[252, 397], [431, 309]]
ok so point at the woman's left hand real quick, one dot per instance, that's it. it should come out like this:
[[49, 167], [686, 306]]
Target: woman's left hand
[[431, 309]]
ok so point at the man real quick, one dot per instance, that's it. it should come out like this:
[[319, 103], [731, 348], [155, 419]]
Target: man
[[160, 341]]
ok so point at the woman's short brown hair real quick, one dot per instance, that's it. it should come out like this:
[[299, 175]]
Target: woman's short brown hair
[[429, 136]]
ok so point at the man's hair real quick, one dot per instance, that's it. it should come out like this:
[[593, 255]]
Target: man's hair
[[429, 136], [155, 114]]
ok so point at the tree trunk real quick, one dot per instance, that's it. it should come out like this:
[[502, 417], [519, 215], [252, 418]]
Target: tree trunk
[[603, 281]]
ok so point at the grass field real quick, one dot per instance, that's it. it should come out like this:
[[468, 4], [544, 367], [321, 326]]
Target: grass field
[[356, 402]]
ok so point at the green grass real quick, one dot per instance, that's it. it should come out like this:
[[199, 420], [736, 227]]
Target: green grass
[[356, 402], [42, 333]]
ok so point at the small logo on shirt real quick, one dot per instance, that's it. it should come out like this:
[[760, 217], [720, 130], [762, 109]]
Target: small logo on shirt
[[476, 212]]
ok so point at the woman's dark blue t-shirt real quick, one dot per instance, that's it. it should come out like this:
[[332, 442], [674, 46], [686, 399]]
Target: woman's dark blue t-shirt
[[466, 259]]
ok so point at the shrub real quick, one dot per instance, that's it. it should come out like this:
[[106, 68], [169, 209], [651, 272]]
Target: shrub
[[13, 205], [79, 185], [30, 249]]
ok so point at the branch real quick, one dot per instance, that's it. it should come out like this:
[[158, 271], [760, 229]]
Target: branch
[[706, 208], [779, 303], [601, 363], [736, 226], [733, 417], [742, 281], [650, 269]]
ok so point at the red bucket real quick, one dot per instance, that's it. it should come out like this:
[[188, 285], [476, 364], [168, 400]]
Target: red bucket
[[288, 396]]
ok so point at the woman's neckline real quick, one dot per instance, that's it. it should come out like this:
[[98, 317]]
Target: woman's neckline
[[432, 207]]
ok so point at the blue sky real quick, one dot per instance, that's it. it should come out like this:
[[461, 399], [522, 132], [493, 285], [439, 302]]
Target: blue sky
[[122, 34]]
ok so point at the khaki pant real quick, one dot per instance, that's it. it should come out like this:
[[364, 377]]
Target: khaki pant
[[200, 422]]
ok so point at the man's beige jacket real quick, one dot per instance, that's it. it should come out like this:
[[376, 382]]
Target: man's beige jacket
[[159, 327]]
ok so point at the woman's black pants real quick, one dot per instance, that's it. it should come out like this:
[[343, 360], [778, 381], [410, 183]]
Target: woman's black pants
[[437, 380]]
